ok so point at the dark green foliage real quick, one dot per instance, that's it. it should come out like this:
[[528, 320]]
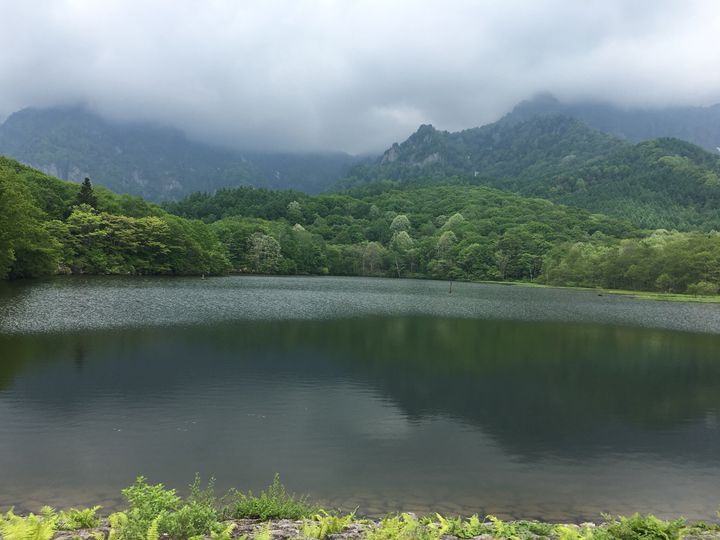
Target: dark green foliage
[[272, 503], [698, 125], [459, 231], [86, 195], [662, 183]]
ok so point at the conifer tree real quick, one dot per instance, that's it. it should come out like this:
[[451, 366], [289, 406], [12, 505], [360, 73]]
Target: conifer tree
[[86, 195]]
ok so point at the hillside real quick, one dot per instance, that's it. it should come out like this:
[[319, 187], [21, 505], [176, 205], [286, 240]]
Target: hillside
[[158, 163], [698, 125], [46, 228], [663, 183]]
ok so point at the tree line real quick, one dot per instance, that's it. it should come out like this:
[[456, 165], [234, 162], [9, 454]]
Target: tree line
[[391, 229]]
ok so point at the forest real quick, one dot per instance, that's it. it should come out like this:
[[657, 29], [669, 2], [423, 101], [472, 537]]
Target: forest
[[444, 231], [659, 183], [48, 226]]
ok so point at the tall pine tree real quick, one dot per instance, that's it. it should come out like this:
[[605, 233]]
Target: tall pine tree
[[86, 195]]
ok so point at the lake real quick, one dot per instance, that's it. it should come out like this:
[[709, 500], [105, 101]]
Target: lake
[[377, 393]]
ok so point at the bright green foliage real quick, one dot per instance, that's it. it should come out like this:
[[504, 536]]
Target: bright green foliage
[[153, 532], [73, 519], [324, 523], [154, 510], [569, 532], [118, 526], [26, 247], [225, 533], [463, 528], [264, 533], [663, 261], [408, 527], [519, 530], [32, 527], [43, 231], [272, 503], [402, 527], [638, 527], [383, 230]]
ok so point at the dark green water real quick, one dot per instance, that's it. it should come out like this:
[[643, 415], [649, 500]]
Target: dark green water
[[383, 394]]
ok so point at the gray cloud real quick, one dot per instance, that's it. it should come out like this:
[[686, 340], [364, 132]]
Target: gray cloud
[[349, 75]]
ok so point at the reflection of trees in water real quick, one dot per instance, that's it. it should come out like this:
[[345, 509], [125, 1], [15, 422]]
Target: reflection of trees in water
[[535, 387], [79, 356]]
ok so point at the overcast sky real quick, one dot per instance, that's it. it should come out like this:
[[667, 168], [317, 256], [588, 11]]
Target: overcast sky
[[349, 75]]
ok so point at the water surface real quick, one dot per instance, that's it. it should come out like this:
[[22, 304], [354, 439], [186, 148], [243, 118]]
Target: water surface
[[383, 394]]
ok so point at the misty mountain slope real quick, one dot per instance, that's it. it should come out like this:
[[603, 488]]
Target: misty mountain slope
[[698, 125], [155, 162], [504, 152], [664, 183]]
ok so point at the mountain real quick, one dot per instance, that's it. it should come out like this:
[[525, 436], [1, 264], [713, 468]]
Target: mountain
[[698, 125], [158, 163], [661, 183]]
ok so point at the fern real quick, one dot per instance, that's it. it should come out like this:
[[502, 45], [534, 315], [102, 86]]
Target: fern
[[32, 527], [324, 524], [73, 519], [152, 532]]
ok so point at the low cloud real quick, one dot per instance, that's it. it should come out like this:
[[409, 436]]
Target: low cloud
[[349, 75]]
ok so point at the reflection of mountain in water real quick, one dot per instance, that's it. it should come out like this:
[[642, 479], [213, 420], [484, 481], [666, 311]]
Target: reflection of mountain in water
[[536, 388]]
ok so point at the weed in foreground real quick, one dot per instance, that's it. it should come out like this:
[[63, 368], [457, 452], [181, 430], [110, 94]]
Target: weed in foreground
[[32, 527], [272, 503], [74, 519], [324, 523]]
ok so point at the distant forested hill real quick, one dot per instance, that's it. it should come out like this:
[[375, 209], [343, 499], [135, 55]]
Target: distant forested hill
[[155, 162], [662, 183], [698, 125]]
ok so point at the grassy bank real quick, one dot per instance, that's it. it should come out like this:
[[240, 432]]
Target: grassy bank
[[154, 512], [641, 295]]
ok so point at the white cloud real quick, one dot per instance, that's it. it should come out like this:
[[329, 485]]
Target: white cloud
[[344, 74]]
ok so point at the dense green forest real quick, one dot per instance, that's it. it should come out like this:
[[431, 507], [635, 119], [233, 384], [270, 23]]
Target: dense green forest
[[662, 183], [393, 229], [47, 227], [451, 231]]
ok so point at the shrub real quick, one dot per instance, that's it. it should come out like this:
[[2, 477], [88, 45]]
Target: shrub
[[273, 503], [155, 510], [702, 288]]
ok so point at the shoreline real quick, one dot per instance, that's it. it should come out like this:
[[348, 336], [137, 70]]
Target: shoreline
[[409, 526], [639, 295]]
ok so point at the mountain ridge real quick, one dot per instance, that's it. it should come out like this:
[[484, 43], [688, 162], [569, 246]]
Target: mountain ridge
[[151, 160], [660, 183]]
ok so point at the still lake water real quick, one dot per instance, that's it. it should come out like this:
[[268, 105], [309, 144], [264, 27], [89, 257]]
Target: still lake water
[[382, 394]]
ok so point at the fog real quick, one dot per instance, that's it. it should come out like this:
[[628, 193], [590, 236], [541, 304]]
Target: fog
[[349, 75]]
